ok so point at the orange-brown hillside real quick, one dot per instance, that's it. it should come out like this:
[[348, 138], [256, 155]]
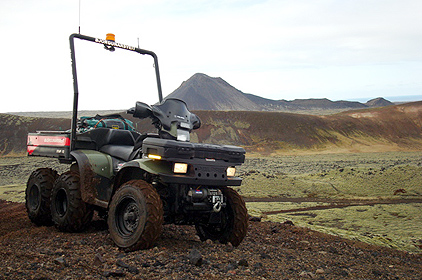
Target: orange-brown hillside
[[396, 127]]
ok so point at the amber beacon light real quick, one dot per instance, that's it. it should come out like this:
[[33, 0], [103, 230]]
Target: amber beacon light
[[110, 37]]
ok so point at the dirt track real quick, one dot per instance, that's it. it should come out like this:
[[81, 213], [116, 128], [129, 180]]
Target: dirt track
[[270, 251]]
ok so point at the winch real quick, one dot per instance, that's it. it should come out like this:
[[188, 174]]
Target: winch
[[203, 198]]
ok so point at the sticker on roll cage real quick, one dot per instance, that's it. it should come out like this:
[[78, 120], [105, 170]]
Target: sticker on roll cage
[[114, 44]]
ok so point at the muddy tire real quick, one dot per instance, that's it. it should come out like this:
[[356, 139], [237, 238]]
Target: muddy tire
[[37, 196], [135, 216], [69, 212], [234, 221]]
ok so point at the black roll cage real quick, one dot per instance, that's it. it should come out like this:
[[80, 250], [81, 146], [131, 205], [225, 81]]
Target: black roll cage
[[110, 45]]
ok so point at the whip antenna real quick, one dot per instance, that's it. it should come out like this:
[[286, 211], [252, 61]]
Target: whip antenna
[[79, 16]]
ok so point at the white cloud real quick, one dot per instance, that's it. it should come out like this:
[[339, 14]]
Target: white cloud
[[276, 49]]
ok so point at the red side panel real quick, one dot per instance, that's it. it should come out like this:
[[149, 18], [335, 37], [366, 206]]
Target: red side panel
[[47, 143]]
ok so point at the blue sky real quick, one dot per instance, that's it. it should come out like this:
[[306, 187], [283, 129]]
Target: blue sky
[[341, 50]]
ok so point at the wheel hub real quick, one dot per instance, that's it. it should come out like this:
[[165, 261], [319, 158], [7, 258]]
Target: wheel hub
[[34, 198], [61, 202], [131, 217]]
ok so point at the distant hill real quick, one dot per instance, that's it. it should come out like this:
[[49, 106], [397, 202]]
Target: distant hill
[[202, 92], [378, 102], [391, 128]]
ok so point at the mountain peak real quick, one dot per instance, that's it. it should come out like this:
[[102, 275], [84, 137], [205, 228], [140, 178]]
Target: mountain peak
[[202, 92], [199, 75], [378, 102]]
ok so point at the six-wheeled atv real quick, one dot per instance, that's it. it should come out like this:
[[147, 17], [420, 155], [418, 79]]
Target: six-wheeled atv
[[137, 181]]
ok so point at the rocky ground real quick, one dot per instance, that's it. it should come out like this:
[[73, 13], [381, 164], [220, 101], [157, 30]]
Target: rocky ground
[[269, 251]]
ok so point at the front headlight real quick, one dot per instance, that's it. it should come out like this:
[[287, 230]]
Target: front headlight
[[231, 171], [180, 168]]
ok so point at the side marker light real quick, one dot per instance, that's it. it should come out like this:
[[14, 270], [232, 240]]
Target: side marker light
[[151, 156]]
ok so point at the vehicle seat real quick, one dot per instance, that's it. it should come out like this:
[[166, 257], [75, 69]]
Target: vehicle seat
[[119, 143], [122, 144]]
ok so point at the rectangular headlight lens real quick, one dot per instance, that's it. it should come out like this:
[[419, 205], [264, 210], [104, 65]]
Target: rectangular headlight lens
[[231, 171], [181, 168]]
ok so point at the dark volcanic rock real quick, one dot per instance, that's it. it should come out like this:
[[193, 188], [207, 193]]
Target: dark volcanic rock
[[29, 252], [195, 257]]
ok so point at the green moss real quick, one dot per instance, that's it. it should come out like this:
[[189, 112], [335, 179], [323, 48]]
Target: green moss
[[364, 176], [14, 193], [397, 226], [396, 175], [241, 125], [223, 135]]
